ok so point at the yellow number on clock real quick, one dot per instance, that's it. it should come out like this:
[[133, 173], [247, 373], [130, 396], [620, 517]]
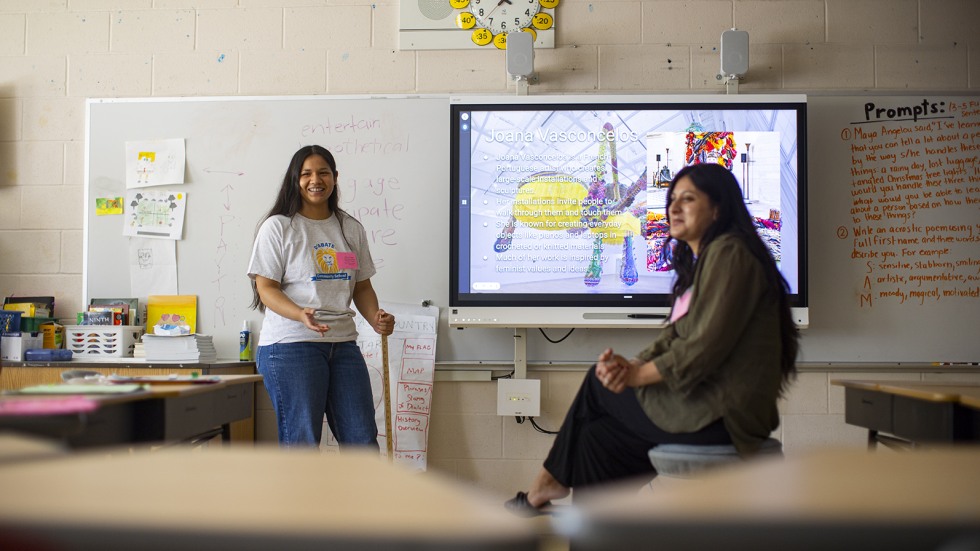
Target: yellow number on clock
[[545, 3], [500, 41], [459, 4], [482, 37], [543, 21], [465, 20]]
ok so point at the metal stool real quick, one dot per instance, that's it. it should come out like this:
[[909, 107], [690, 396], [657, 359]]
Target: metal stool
[[688, 461]]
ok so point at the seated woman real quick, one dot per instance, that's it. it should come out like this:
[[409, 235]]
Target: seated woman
[[713, 375]]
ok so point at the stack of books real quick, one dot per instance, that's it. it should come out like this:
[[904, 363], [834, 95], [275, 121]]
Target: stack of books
[[185, 348]]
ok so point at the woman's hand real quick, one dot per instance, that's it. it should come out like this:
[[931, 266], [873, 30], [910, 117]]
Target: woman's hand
[[384, 323], [270, 292], [307, 317], [366, 301], [616, 373], [613, 371]]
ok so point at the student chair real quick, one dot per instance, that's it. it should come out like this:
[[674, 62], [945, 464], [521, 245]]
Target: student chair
[[687, 461]]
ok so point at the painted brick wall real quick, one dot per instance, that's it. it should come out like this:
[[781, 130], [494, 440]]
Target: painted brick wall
[[55, 53]]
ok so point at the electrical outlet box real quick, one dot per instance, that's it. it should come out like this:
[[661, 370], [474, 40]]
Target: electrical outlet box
[[519, 397]]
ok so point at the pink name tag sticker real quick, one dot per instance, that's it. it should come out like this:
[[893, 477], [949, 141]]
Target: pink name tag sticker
[[680, 306], [347, 261]]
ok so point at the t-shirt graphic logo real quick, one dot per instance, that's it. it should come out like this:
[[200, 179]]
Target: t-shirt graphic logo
[[325, 261]]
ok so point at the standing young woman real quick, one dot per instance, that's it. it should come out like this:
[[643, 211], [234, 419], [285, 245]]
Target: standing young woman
[[310, 260], [714, 374]]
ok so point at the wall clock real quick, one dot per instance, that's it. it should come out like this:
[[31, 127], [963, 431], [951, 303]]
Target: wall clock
[[491, 20], [455, 24]]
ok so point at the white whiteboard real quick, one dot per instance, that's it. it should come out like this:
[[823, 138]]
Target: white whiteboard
[[865, 304], [392, 155], [237, 149]]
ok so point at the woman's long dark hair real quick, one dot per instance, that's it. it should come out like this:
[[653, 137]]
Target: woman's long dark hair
[[289, 201], [723, 190]]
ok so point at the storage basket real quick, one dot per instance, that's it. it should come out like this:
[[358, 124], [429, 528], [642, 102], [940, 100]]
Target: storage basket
[[103, 340]]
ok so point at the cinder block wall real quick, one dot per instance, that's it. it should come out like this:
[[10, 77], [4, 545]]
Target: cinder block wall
[[55, 53]]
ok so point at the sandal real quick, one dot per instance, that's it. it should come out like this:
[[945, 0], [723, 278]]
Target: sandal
[[520, 506]]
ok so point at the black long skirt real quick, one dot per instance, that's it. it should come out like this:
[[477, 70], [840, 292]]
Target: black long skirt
[[605, 437]]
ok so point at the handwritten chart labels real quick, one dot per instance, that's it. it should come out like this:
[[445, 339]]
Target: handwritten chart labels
[[411, 368], [369, 191], [914, 229]]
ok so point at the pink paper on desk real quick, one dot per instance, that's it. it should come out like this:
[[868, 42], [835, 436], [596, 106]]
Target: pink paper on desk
[[47, 406]]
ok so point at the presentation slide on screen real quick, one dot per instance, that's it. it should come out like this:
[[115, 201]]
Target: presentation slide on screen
[[573, 201]]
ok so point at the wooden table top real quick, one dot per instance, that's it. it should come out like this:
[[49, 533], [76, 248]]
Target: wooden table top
[[179, 389], [925, 486], [108, 362], [257, 495], [966, 393], [151, 391]]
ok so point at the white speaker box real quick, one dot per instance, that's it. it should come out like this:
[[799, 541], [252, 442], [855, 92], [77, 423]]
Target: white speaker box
[[520, 54], [734, 52]]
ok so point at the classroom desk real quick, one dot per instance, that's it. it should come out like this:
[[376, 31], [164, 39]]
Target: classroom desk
[[913, 412], [248, 499], [917, 500], [162, 414], [21, 374]]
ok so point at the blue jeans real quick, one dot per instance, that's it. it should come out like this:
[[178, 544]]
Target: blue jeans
[[306, 380]]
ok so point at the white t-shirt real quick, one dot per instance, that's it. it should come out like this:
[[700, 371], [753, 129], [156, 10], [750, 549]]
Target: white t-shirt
[[315, 268]]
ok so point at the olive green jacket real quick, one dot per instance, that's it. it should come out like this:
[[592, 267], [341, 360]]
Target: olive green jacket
[[721, 360]]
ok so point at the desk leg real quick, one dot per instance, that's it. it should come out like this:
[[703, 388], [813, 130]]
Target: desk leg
[[226, 434], [895, 443], [874, 438]]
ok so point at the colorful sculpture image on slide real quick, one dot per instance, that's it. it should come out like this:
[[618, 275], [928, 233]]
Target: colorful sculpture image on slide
[[719, 147], [700, 147], [553, 201], [705, 147], [612, 211]]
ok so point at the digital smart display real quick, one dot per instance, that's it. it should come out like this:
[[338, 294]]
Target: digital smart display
[[558, 203]]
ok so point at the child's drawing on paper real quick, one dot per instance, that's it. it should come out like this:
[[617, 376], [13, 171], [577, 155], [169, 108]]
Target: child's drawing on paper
[[144, 259], [144, 167], [154, 162], [172, 324], [171, 314], [155, 214], [108, 205]]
